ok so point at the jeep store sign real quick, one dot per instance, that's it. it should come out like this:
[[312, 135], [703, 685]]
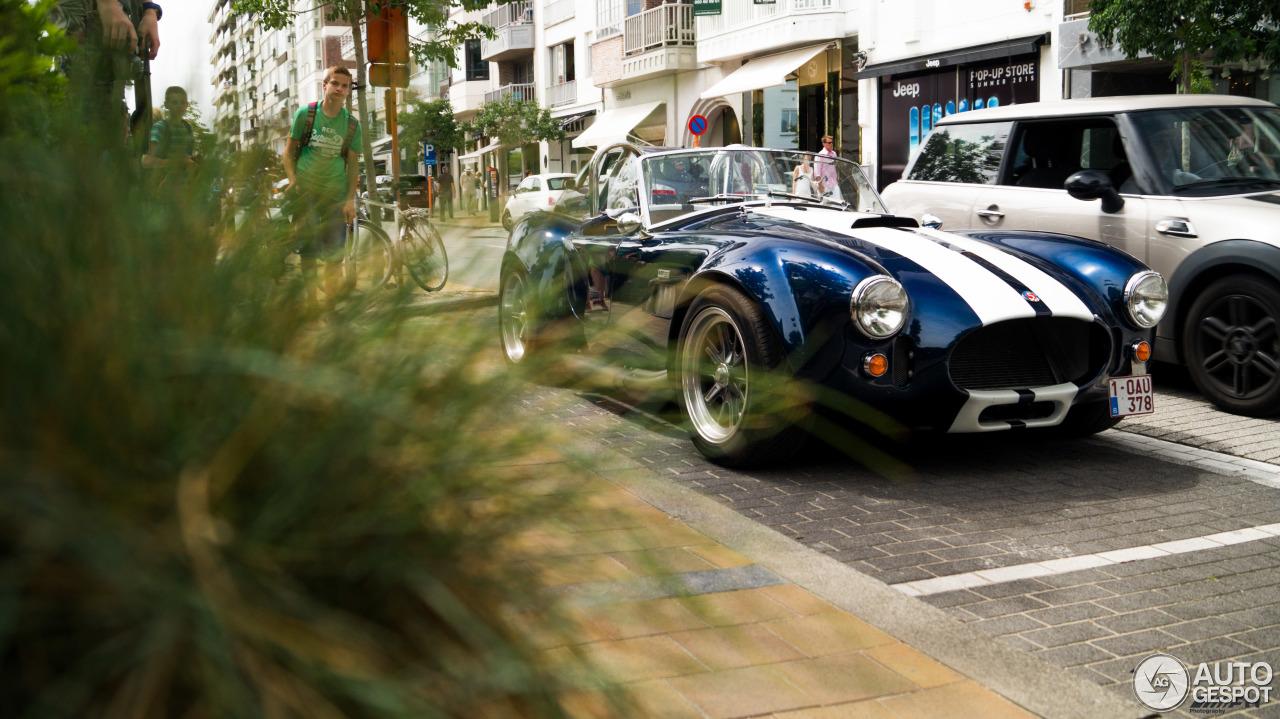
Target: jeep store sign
[[911, 104]]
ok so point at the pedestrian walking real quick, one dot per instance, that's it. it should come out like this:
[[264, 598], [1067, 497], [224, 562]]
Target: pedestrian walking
[[110, 33], [447, 193], [323, 181], [825, 171], [465, 195]]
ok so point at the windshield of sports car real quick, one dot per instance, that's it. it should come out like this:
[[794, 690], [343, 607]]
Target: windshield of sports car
[[677, 184], [1202, 151]]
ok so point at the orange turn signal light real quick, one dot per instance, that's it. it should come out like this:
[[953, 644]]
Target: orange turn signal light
[[875, 364], [1141, 351]]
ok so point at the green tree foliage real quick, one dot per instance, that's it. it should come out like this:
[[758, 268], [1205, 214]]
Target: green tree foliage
[[432, 122], [516, 122], [1185, 32], [28, 82], [948, 159]]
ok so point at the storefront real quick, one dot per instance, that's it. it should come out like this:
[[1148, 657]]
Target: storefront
[[792, 98], [916, 93]]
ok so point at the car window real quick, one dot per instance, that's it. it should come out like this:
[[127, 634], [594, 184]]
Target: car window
[[962, 153], [556, 183], [534, 184], [1212, 150], [1047, 153]]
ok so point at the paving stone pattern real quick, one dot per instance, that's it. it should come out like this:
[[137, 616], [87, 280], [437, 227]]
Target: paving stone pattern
[[993, 501]]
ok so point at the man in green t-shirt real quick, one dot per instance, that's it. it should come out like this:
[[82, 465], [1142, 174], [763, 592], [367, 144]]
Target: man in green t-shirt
[[323, 181], [173, 143]]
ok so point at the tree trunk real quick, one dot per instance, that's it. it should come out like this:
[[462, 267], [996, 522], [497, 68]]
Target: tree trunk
[[1186, 72], [355, 16]]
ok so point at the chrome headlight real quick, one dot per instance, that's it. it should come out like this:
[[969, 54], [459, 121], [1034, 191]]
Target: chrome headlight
[[1146, 297], [879, 306]]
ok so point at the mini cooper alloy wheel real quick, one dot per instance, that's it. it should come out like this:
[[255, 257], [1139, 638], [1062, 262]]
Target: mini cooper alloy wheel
[[1232, 345]]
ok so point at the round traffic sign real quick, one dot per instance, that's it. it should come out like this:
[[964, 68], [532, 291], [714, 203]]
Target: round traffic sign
[[697, 124]]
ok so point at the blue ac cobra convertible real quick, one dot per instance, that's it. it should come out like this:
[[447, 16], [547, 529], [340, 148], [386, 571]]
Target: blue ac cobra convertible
[[764, 284]]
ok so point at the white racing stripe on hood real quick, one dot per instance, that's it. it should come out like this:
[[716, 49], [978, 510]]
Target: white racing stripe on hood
[[989, 296], [1059, 298]]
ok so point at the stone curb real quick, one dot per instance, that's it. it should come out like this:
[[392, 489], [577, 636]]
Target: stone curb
[[471, 301]]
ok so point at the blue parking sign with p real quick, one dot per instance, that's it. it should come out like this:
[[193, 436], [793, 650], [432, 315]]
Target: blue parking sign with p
[[428, 154]]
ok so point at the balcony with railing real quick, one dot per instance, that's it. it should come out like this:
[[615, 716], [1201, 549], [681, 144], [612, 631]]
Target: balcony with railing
[[559, 11], [564, 93], [514, 25], [659, 41], [744, 27], [521, 91]]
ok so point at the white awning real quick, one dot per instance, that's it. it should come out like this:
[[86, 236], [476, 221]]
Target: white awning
[[614, 125], [763, 72], [382, 145], [493, 147]]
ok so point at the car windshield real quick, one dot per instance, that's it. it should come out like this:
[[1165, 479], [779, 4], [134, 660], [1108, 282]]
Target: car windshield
[[1214, 150], [680, 183], [556, 183]]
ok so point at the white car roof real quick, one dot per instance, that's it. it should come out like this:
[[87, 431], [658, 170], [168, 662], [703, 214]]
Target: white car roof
[[1099, 105]]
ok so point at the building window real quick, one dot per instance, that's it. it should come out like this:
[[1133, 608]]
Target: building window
[[522, 73], [609, 15], [562, 63], [586, 42], [477, 68]]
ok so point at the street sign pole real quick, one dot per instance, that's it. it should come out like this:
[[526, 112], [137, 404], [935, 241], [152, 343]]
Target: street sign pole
[[697, 126]]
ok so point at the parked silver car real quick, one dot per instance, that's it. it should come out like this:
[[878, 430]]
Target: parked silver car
[[1189, 184]]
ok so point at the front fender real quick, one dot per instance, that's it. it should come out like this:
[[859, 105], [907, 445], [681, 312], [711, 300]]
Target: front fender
[[1203, 267], [804, 290]]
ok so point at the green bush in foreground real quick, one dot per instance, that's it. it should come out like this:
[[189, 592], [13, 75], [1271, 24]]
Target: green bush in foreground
[[216, 501]]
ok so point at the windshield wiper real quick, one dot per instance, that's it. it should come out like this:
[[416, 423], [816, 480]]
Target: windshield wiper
[[732, 196], [824, 200]]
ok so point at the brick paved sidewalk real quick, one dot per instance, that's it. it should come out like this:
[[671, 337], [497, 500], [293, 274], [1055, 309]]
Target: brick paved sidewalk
[[699, 621]]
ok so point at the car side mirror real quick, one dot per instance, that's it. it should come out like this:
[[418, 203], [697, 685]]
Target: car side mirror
[[628, 223], [930, 220], [1090, 185]]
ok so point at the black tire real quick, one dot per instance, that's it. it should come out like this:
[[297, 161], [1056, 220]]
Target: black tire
[[1231, 345], [507, 224], [1087, 419], [368, 263], [734, 384], [423, 254]]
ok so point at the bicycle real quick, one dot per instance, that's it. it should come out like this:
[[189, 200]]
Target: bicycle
[[372, 257]]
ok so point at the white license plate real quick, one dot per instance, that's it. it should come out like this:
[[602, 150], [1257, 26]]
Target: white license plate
[[414, 192], [1132, 395]]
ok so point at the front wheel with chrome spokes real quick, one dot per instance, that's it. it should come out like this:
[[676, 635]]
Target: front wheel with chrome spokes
[[733, 382], [514, 316]]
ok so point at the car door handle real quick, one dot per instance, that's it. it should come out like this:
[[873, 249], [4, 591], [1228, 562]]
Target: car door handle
[[1176, 227], [990, 214]]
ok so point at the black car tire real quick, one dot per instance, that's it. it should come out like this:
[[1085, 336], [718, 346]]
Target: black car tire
[[507, 224], [1231, 345], [734, 384]]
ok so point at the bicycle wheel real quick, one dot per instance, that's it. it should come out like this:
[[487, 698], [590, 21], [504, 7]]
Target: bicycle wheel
[[422, 251], [367, 264]]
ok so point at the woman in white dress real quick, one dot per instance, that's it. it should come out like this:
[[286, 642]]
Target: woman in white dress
[[802, 182]]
